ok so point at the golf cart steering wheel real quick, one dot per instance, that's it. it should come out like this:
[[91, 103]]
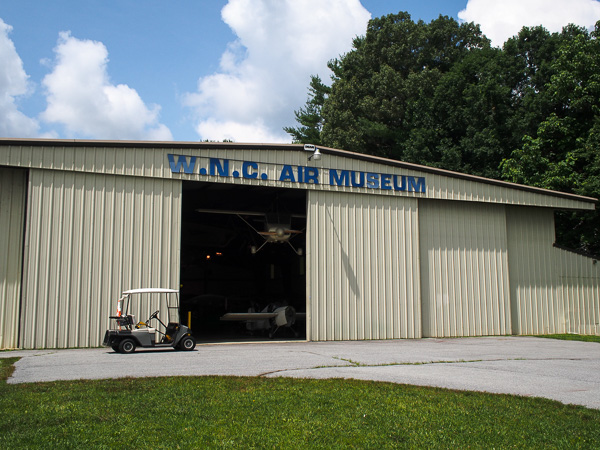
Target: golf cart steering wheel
[[154, 315]]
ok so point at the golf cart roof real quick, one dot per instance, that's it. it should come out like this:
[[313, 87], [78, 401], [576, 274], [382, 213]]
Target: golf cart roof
[[151, 291]]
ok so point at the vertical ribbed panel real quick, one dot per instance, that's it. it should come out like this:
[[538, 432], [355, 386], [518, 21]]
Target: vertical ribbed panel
[[552, 290], [580, 289], [13, 189], [536, 306], [363, 280], [464, 269], [88, 238]]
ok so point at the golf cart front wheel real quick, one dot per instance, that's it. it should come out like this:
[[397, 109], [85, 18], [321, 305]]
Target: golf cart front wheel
[[127, 346], [187, 343]]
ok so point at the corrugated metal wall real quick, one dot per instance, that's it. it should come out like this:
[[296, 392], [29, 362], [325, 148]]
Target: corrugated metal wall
[[580, 290], [552, 290], [464, 269], [13, 192], [89, 237], [362, 269], [536, 306]]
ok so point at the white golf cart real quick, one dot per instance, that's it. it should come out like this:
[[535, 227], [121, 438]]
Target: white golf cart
[[127, 334]]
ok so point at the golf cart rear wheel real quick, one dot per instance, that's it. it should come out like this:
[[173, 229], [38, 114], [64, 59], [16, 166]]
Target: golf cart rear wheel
[[187, 343], [127, 346]]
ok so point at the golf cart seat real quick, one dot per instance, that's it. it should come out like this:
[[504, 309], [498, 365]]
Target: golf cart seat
[[124, 321], [171, 332]]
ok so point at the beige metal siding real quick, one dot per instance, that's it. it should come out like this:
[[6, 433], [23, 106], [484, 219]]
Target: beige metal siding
[[363, 280], [153, 162], [13, 190], [552, 290], [535, 302], [89, 237], [579, 283], [464, 269]]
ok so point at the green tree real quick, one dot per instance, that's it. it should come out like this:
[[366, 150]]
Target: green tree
[[309, 117], [563, 152], [388, 80], [463, 124]]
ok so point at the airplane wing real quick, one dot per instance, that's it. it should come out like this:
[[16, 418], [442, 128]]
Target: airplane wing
[[231, 212], [248, 316], [244, 213], [275, 233]]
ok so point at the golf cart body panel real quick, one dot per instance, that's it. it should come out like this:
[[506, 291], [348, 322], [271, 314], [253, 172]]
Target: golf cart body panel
[[126, 333]]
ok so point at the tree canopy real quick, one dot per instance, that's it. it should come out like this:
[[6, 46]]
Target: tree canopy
[[438, 94]]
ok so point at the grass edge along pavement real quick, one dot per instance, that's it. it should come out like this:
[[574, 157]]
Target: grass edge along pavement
[[256, 412], [572, 337]]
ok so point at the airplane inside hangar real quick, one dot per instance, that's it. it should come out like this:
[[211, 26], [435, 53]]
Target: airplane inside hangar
[[243, 261]]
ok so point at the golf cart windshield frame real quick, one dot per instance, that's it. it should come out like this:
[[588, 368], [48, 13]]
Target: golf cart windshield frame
[[172, 301]]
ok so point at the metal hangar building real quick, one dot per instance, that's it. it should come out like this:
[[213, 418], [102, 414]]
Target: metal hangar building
[[361, 247]]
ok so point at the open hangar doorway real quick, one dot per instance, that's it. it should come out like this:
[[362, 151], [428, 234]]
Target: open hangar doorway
[[242, 253]]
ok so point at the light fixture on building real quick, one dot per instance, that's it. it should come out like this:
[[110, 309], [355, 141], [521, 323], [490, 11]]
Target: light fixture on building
[[316, 154]]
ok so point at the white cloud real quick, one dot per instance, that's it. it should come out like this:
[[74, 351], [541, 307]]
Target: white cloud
[[255, 131], [82, 99], [13, 83], [264, 74], [501, 20]]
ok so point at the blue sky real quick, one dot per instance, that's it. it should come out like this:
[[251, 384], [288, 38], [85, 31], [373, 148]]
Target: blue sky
[[189, 70]]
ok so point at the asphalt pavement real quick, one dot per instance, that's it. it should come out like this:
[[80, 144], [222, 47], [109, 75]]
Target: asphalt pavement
[[567, 371]]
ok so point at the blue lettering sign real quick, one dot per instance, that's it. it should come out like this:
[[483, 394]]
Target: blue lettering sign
[[246, 170], [300, 174], [361, 179], [311, 175], [402, 185], [287, 174], [182, 163], [343, 179], [373, 180], [217, 168], [385, 181], [416, 185]]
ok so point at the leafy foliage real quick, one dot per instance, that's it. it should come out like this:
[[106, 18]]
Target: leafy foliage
[[310, 117], [438, 94], [383, 93], [563, 152]]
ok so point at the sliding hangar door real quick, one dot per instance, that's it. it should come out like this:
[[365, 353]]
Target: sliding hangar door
[[363, 267], [88, 237]]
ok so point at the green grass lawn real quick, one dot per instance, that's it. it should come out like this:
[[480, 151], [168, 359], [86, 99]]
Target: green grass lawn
[[572, 337], [245, 412]]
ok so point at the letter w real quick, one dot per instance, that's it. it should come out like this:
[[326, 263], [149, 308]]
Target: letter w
[[182, 163]]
